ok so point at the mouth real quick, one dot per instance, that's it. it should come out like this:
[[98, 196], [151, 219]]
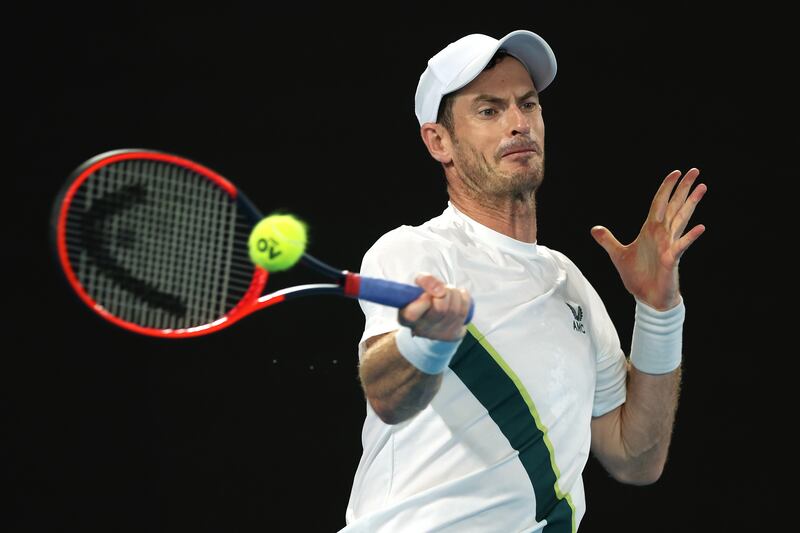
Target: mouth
[[526, 150], [519, 153]]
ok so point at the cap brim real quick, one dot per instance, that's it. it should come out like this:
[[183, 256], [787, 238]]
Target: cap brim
[[533, 52], [530, 49]]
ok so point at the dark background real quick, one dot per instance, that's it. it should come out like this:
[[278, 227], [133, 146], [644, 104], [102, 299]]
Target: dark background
[[310, 109]]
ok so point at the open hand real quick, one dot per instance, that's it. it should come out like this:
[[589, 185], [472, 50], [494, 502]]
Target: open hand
[[649, 265]]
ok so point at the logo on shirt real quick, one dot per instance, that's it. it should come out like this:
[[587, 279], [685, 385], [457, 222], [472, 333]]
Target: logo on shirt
[[577, 315]]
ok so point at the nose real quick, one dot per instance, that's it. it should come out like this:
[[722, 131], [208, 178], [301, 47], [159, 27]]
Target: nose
[[518, 122]]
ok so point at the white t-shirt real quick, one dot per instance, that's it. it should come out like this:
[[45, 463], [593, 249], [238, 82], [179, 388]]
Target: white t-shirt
[[503, 444]]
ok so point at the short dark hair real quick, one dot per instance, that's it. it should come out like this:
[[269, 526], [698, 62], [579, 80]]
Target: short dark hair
[[445, 115]]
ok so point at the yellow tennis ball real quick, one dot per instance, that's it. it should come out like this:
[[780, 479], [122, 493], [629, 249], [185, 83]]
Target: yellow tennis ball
[[277, 242]]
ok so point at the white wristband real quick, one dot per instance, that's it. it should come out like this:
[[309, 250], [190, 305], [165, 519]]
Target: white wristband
[[427, 355], [657, 342]]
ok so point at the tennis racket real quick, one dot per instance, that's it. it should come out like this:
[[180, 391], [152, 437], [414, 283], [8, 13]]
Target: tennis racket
[[157, 244]]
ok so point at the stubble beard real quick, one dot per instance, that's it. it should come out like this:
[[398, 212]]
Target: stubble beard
[[485, 182]]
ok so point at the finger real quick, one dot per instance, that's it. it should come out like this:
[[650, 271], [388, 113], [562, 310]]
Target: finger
[[448, 314], [431, 284], [450, 307], [659, 205], [681, 219], [411, 313], [433, 299], [466, 305], [606, 239], [684, 242], [681, 193], [441, 302], [466, 301], [459, 305]]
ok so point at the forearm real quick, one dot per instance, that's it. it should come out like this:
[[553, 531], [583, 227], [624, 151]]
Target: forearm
[[401, 371], [648, 415], [646, 421], [395, 388], [633, 440]]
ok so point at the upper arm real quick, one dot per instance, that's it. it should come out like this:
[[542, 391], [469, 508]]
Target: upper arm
[[631, 440], [367, 362], [608, 447], [394, 388], [606, 438], [370, 342], [397, 256]]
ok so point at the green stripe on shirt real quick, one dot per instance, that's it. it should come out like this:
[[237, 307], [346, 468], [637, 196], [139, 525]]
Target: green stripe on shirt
[[500, 391]]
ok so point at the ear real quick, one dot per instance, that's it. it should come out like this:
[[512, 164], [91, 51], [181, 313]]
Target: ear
[[437, 140]]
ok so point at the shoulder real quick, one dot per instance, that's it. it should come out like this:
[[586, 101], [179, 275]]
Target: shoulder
[[562, 261], [581, 290], [406, 250], [578, 284], [395, 239], [426, 237]]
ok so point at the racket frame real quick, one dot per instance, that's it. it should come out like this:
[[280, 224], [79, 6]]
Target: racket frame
[[348, 284], [253, 299]]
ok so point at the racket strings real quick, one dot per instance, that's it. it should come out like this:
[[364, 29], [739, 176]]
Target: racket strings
[[158, 245]]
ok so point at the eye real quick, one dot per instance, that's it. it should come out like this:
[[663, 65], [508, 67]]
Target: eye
[[530, 106], [487, 112]]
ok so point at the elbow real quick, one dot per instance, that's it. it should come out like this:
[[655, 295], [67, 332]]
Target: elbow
[[388, 412], [400, 403], [641, 476], [642, 480]]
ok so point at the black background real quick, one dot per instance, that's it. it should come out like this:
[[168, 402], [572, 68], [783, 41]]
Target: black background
[[310, 109]]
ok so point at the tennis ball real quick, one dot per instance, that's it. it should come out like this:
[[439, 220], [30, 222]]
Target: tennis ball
[[277, 242]]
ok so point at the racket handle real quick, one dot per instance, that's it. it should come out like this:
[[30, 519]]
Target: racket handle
[[394, 294]]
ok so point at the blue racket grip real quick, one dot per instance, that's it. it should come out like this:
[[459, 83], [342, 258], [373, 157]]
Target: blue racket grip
[[394, 294]]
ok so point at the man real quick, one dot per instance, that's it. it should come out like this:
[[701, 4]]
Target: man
[[488, 427]]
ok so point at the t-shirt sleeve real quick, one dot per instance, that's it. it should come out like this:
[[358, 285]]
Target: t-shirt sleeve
[[399, 255], [611, 364]]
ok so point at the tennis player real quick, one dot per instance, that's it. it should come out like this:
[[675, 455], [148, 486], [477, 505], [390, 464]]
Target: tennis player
[[488, 427]]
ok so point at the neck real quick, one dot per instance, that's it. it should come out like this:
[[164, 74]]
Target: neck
[[514, 216]]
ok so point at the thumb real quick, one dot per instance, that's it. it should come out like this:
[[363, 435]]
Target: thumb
[[431, 284], [412, 312], [605, 238]]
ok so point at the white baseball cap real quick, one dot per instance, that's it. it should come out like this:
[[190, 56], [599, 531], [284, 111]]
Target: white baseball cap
[[461, 61]]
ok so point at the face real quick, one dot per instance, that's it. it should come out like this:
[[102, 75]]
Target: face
[[498, 137]]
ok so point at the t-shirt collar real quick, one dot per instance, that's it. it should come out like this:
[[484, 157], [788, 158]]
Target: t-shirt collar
[[492, 237]]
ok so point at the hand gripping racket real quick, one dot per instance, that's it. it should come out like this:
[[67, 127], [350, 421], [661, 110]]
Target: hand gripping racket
[[157, 244]]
